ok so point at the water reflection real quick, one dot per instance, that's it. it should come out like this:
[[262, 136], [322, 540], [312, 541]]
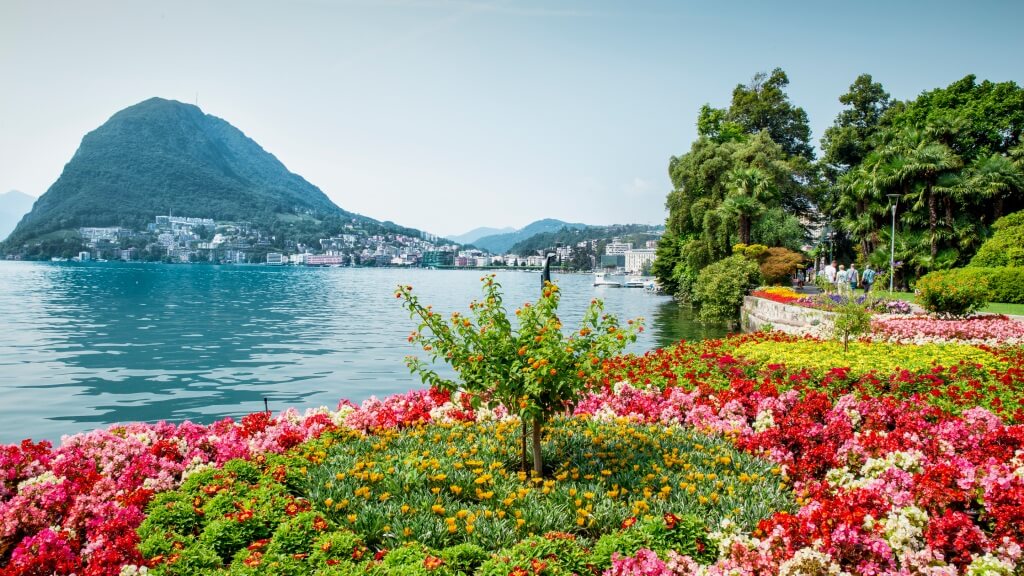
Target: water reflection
[[89, 345]]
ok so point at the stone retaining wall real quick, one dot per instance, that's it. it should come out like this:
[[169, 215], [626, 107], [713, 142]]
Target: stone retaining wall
[[757, 312]]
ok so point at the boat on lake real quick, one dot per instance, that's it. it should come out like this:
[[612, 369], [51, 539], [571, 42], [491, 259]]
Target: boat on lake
[[634, 282], [601, 279]]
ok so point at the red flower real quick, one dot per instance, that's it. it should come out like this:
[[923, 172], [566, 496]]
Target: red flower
[[628, 522], [671, 520], [432, 562]]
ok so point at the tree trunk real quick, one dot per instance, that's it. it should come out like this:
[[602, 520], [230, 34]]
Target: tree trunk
[[999, 208], [538, 458], [745, 230], [524, 460], [933, 222], [949, 212]]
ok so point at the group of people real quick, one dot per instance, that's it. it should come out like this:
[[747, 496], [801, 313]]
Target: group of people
[[846, 280]]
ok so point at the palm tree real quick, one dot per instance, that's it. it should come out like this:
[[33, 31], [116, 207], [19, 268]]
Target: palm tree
[[748, 189], [995, 177], [916, 164]]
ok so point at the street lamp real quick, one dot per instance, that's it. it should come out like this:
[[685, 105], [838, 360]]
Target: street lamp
[[893, 199]]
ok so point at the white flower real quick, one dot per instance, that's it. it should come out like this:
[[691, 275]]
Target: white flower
[[989, 565], [904, 529], [764, 421], [729, 533], [47, 477], [809, 561]]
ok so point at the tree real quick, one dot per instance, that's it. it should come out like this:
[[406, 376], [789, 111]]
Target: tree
[[534, 369], [748, 189], [763, 105], [916, 163], [850, 138]]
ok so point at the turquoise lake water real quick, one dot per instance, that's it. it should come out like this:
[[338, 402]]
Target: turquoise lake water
[[87, 345]]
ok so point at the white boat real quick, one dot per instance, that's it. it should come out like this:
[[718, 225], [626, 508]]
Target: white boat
[[601, 279], [634, 282]]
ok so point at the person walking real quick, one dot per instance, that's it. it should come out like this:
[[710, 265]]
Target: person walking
[[868, 278], [841, 282], [830, 274], [852, 278]]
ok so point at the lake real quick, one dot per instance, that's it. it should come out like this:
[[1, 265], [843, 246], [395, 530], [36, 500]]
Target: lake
[[87, 345]]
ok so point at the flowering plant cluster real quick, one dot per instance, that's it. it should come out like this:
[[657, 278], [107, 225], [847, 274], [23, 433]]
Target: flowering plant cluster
[[833, 301], [914, 470], [777, 294], [989, 329]]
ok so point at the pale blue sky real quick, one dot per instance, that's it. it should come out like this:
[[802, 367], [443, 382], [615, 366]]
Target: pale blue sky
[[448, 115]]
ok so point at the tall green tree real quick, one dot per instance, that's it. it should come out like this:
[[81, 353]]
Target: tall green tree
[[762, 104], [750, 162]]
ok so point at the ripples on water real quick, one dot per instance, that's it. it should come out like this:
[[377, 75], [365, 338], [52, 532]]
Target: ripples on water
[[87, 345]]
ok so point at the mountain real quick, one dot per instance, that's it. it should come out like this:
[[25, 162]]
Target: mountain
[[501, 243], [635, 234], [477, 233], [165, 157], [13, 205]]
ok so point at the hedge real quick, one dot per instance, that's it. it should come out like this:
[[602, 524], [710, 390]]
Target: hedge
[[1005, 283]]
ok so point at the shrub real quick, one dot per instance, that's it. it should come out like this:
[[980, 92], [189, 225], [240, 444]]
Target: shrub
[[721, 287], [1006, 246], [1005, 284], [778, 264], [952, 292]]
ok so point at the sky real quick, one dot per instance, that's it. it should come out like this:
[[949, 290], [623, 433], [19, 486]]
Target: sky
[[446, 115]]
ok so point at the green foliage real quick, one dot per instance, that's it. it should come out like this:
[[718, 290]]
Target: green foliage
[[720, 288], [851, 320], [952, 292], [952, 155], [1005, 247], [762, 105], [470, 492], [1001, 284], [534, 369], [570, 236], [777, 228], [747, 178]]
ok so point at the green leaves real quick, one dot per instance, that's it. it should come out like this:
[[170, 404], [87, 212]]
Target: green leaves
[[535, 369]]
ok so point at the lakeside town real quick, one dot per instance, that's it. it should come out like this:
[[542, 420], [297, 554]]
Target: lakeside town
[[183, 239]]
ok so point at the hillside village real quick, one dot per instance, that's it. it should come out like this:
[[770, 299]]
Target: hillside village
[[182, 239]]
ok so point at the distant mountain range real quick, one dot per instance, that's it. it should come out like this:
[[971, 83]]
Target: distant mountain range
[[13, 206], [478, 233], [501, 243], [165, 157]]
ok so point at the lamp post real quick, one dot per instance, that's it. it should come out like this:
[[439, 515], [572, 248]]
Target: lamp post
[[893, 199]]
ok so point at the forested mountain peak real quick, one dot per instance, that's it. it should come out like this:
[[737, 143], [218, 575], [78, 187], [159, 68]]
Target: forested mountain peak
[[166, 157]]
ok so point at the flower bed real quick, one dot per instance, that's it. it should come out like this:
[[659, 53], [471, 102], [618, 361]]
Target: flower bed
[[987, 329], [777, 294], [913, 471], [833, 301]]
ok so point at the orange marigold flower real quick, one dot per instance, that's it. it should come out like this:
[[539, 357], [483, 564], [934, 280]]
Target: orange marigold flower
[[628, 522], [432, 562]]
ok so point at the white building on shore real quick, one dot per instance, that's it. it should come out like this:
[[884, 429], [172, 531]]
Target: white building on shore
[[638, 259]]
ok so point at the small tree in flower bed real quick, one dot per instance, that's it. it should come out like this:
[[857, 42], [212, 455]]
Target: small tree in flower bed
[[535, 370], [852, 320]]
